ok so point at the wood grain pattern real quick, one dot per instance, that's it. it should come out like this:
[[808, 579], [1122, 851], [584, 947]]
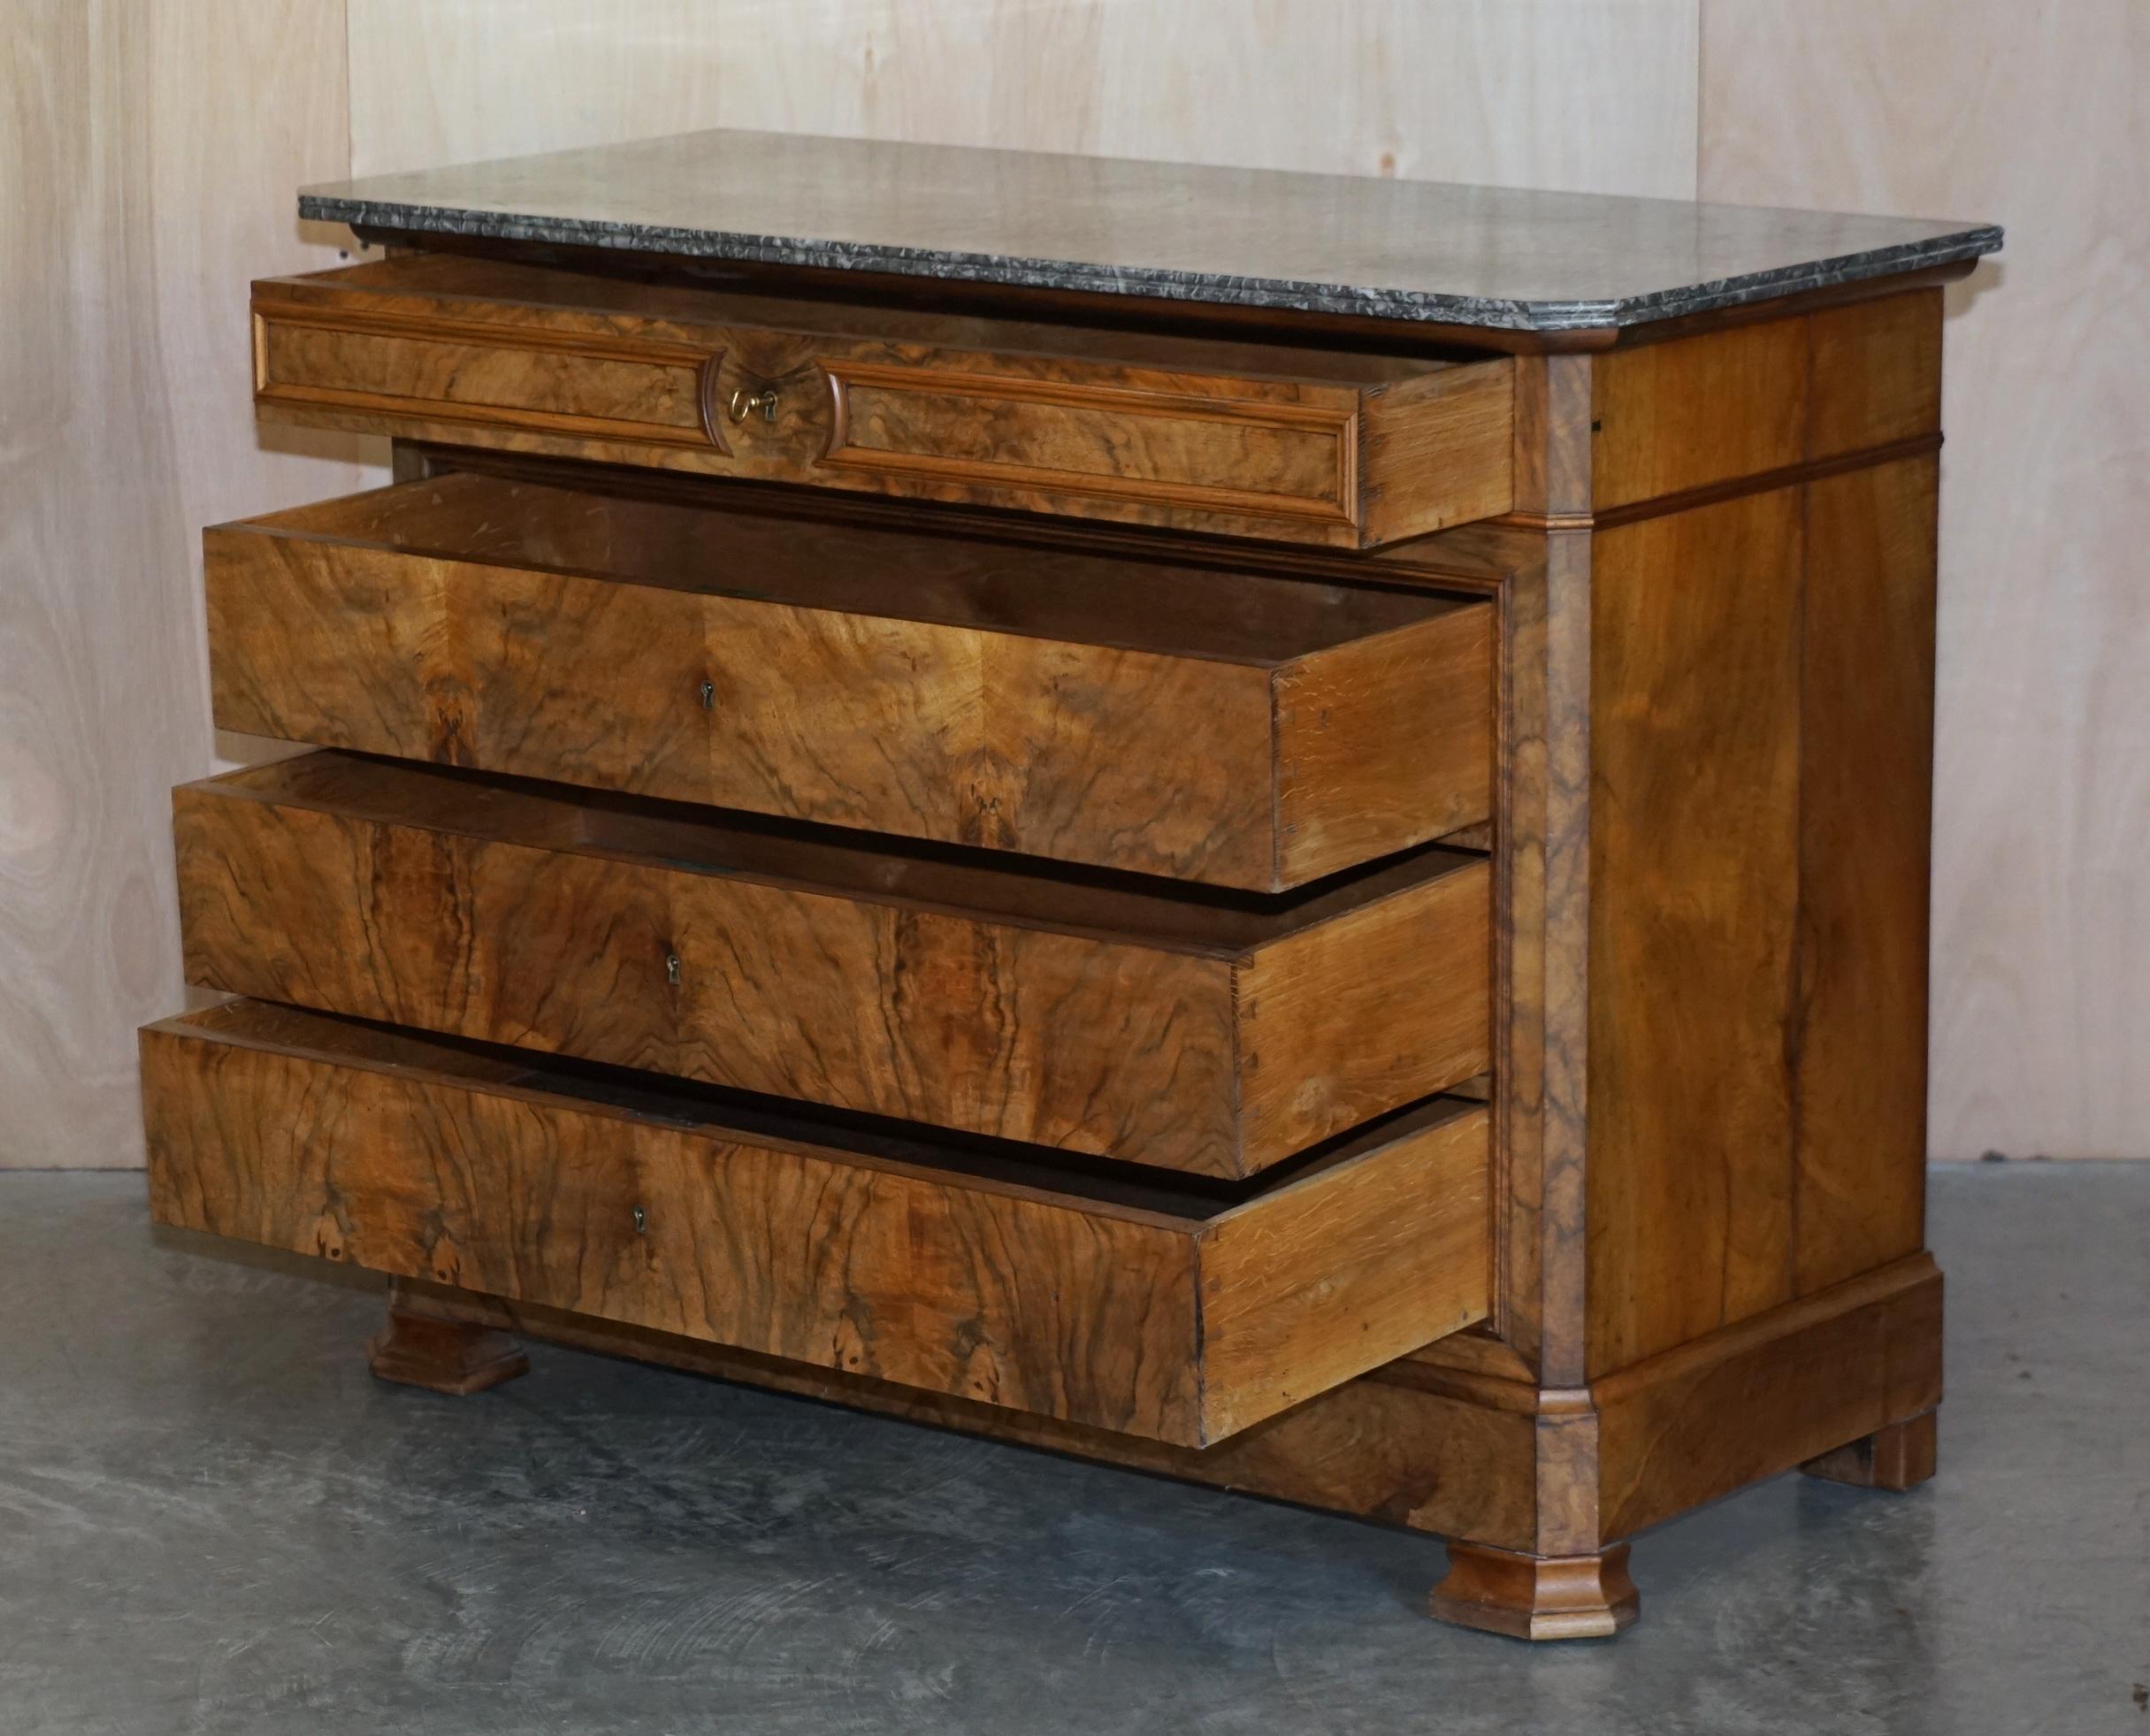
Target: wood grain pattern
[[1865, 803], [2042, 790], [1438, 450], [1258, 441], [497, 294], [134, 181], [1282, 1271], [1769, 879], [1540, 1083], [1551, 425], [1874, 374], [1544, 965], [1382, 740], [1038, 1292], [1537, 1597], [924, 422], [1769, 1393], [450, 370], [1768, 401], [1184, 719], [1338, 1019], [1190, 1033], [1682, 414], [1694, 887]]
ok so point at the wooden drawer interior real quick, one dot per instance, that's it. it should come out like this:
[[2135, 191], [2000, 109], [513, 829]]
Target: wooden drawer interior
[[1171, 1311], [1183, 1027], [1177, 717], [1334, 447]]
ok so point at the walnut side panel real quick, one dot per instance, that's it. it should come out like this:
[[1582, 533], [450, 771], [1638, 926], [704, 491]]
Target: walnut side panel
[[1692, 411], [1866, 823], [1877, 373], [1763, 765], [1696, 415], [1693, 874]]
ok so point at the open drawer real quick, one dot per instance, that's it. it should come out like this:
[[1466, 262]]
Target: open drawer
[[1307, 445], [1196, 721], [1175, 1313], [1217, 1033]]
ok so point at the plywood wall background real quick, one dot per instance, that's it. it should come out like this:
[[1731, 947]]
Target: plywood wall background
[[151, 152], [147, 157]]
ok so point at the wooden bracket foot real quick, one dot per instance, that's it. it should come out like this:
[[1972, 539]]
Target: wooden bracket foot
[[443, 1356], [1898, 1457], [1537, 1597]]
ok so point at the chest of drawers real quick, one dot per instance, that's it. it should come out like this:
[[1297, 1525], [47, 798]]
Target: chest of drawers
[[1020, 808]]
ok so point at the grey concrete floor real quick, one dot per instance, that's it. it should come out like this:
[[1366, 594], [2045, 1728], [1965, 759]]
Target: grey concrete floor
[[212, 1520]]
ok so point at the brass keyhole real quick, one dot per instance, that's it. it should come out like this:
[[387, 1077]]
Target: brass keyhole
[[745, 404], [672, 968]]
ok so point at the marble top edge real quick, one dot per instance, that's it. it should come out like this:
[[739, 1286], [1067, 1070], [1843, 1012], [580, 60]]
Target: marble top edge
[[1419, 252], [1158, 282]]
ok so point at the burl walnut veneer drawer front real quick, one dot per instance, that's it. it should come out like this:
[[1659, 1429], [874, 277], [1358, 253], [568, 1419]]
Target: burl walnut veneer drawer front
[[1190, 1029], [1193, 721], [1291, 444], [1171, 1312]]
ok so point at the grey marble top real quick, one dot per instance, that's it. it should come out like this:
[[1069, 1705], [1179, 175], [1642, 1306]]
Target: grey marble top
[[1390, 249]]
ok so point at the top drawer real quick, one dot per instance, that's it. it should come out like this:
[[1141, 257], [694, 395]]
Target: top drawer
[[1290, 444]]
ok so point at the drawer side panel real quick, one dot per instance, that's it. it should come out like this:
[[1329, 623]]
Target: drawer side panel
[[1384, 743], [1310, 1285], [1385, 1005]]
